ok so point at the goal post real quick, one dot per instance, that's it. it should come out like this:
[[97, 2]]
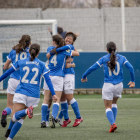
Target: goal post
[[11, 32]]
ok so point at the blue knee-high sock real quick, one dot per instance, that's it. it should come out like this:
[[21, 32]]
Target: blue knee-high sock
[[64, 107], [44, 110], [60, 116], [55, 110], [8, 110], [15, 128], [114, 110], [109, 115], [11, 124], [48, 114], [19, 114], [75, 107]]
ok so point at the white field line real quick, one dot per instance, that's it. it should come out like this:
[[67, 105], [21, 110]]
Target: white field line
[[120, 110]]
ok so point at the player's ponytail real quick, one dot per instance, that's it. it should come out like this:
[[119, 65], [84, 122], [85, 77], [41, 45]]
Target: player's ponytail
[[59, 41], [34, 50], [72, 35], [23, 43], [111, 48]]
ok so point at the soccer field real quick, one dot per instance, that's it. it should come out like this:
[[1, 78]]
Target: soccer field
[[95, 125]]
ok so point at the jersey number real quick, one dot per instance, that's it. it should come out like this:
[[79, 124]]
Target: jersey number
[[53, 60], [23, 55], [24, 80], [114, 72]]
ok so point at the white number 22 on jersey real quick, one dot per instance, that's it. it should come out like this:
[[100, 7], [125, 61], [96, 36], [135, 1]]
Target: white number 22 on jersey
[[114, 72], [53, 60], [24, 80]]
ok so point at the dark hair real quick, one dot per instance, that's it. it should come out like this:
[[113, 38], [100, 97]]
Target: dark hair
[[59, 42], [34, 50], [72, 35], [111, 48], [23, 43], [59, 30]]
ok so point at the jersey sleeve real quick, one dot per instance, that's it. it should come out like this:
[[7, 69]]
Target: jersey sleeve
[[10, 55], [45, 70], [100, 62], [16, 65], [125, 60]]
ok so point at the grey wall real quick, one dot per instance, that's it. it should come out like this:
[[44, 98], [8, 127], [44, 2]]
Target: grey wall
[[96, 26]]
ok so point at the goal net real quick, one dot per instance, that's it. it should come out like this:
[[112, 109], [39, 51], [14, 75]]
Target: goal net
[[11, 32]]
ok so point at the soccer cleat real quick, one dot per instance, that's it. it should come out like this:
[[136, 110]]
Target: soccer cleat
[[7, 133], [43, 124], [47, 124], [30, 112], [60, 121], [52, 122], [65, 123], [3, 118], [113, 128], [77, 122]]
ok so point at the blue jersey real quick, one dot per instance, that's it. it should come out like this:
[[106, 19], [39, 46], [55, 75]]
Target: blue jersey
[[14, 57], [57, 62], [116, 76], [69, 70], [31, 74]]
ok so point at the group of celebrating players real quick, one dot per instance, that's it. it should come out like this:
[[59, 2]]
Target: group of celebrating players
[[26, 70]]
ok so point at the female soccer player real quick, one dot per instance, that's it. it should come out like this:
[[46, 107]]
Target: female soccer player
[[20, 51], [56, 66], [69, 86], [113, 77], [28, 91]]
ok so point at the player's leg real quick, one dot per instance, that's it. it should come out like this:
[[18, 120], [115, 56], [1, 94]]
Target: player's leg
[[7, 110], [114, 107], [60, 116], [48, 112], [20, 110], [12, 85], [55, 108], [57, 82], [44, 108], [16, 121], [69, 86], [107, 95], [117, 94], [75, 107]]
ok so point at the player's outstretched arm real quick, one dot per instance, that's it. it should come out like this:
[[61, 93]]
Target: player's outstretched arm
[[91, 69], [131, 70], [7, 73], [49, 83]]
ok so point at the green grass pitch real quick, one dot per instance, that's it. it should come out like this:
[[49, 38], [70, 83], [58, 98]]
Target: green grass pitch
[[94, 127]]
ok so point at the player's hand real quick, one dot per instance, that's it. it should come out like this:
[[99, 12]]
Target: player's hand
[[54, 97], [131, 84], [84, 80]]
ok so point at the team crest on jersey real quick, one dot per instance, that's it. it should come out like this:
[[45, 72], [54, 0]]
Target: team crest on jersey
[[68, 50], [47, 66]]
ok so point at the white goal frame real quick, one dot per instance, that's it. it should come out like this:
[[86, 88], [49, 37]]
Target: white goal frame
[[53, 22]]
